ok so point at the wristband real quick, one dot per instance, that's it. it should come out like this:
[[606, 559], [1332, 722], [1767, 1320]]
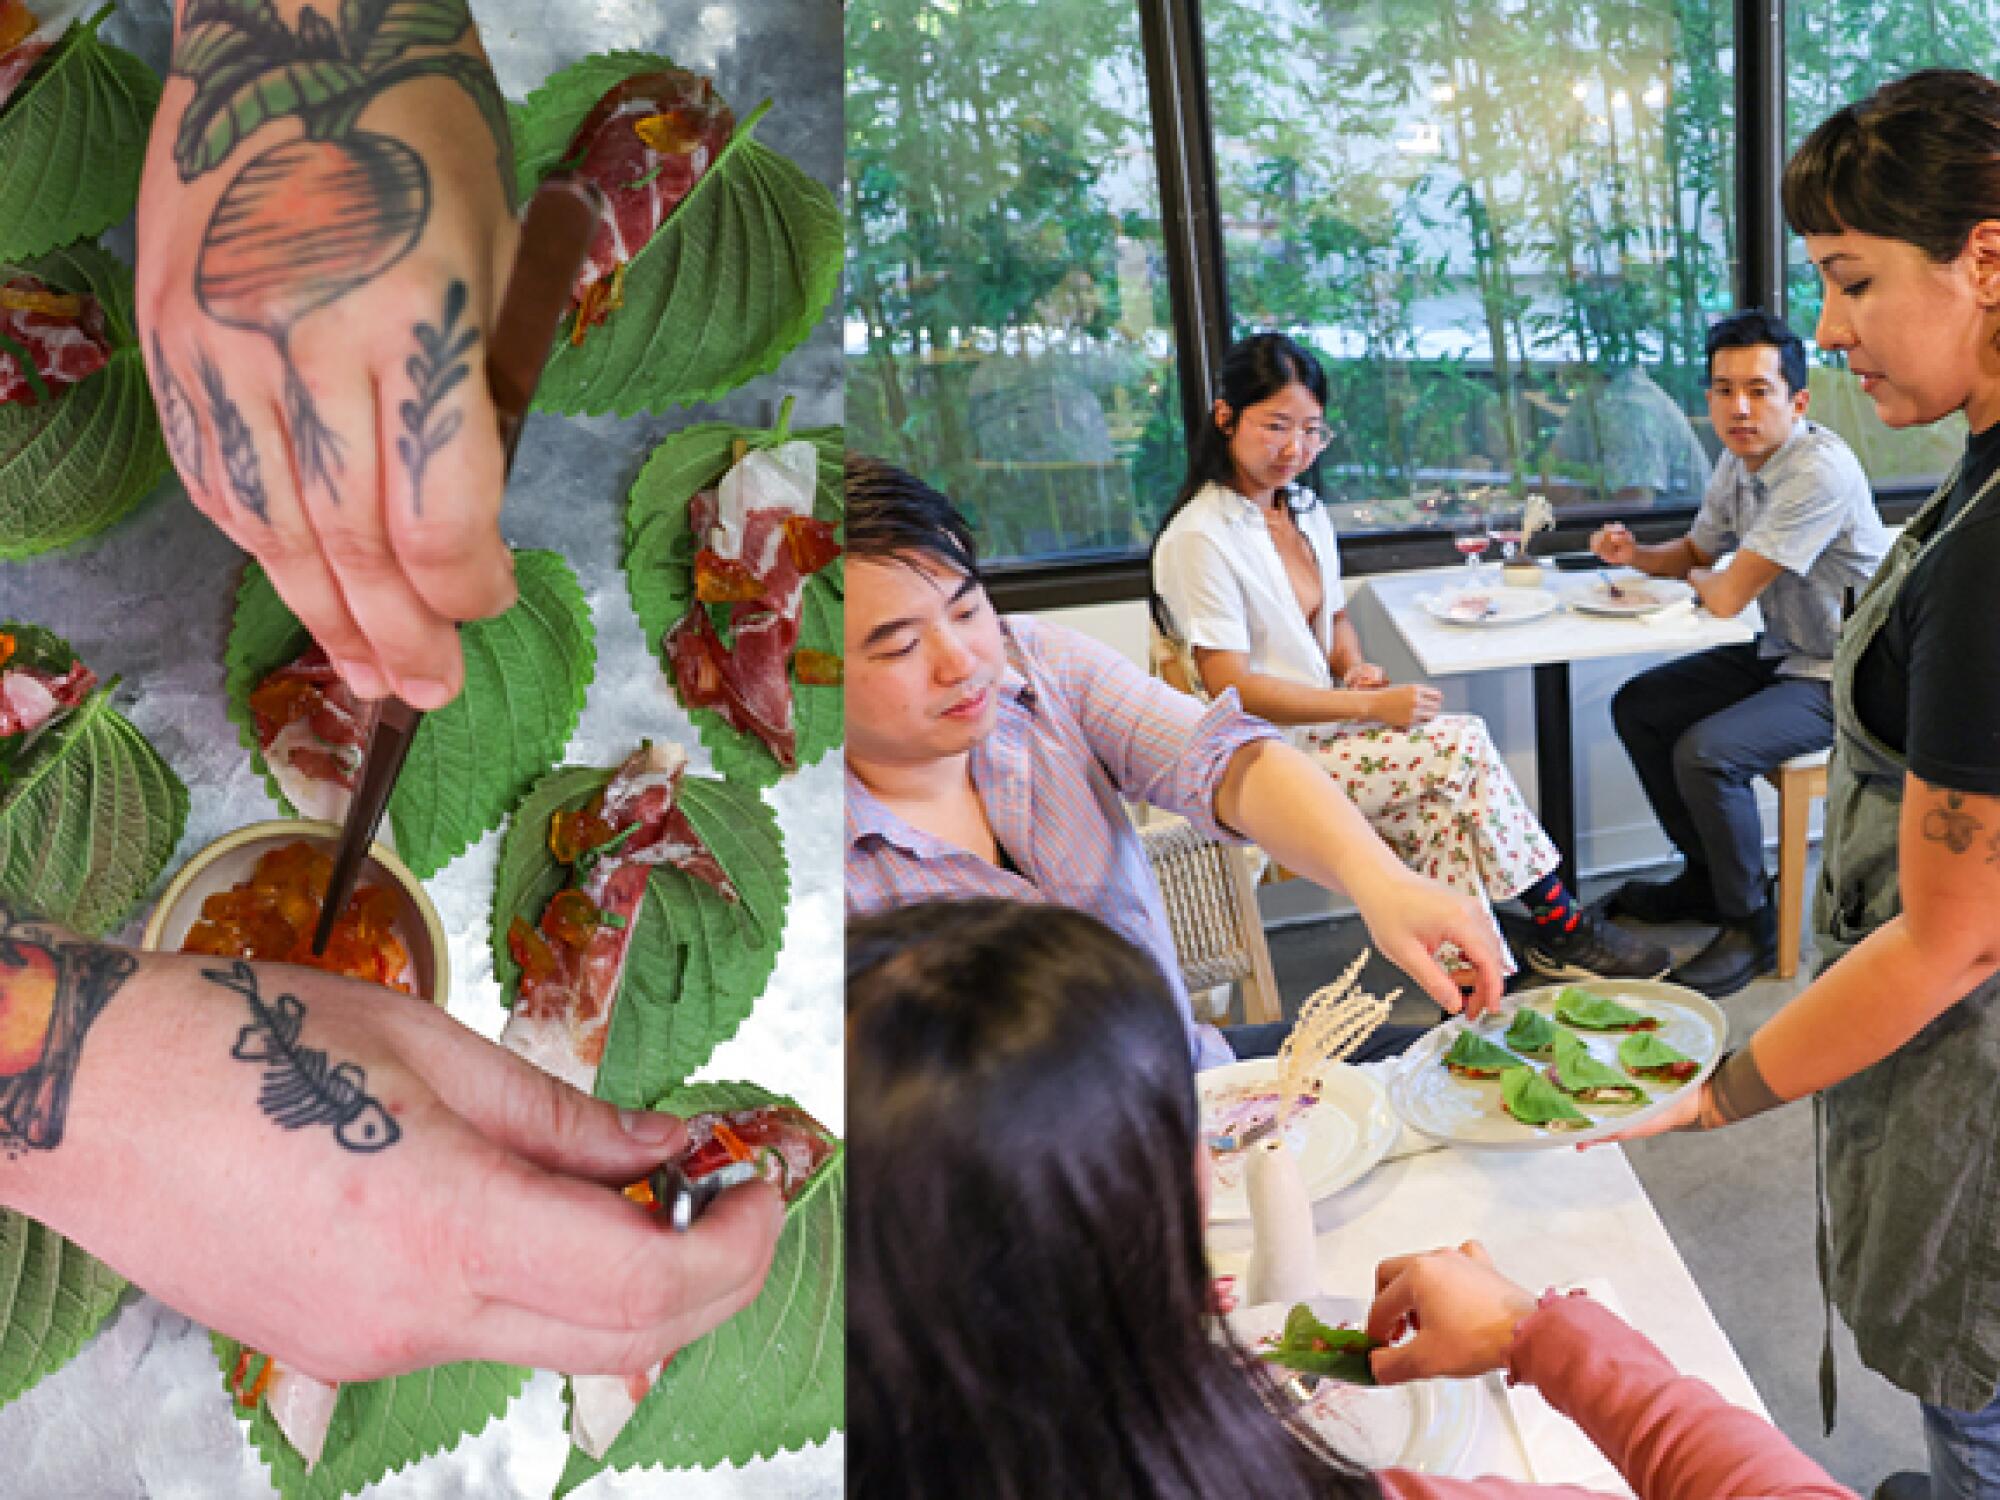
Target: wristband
[[1738, 1089]]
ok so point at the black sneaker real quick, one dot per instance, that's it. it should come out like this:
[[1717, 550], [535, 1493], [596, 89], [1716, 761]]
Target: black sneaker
[[1685, 898], [1906, 1485], [1739, 953], [1594, 949]]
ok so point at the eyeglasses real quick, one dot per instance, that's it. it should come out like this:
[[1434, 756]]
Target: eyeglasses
[[1314, 435]]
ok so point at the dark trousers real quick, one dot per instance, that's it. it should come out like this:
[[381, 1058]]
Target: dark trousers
[[1264, 1038], [1700, 730]]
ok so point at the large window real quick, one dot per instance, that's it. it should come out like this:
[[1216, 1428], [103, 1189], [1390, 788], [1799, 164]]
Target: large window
[[1838, 51], [1009, 326], [1503, 224]]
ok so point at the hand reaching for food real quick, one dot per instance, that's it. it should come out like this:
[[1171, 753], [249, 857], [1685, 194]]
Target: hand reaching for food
[[1410, 919], [345, 1178], [313, 310], [1462, 1312]]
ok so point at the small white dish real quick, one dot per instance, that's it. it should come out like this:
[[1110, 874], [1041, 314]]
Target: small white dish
[[1337, 1139]]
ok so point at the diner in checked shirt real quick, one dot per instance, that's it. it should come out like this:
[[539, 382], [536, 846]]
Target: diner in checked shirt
[[993, 757]]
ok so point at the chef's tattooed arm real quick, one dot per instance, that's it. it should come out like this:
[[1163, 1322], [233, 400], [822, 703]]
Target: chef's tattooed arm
[[52, 989]]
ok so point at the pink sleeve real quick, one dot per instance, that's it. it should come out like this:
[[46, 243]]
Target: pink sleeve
[[1671, 1436]]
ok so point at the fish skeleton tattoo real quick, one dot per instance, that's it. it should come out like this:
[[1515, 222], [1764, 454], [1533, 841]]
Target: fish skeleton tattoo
[[300, 1088]]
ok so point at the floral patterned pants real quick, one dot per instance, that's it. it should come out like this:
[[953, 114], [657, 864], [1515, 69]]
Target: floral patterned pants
[[1442, 798]]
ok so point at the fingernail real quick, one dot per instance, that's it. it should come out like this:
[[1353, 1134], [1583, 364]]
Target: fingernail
[[650, 1126], [425, 693], [364, 680]]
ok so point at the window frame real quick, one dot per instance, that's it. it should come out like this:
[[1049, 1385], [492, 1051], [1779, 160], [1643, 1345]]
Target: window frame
[[1174, 58]]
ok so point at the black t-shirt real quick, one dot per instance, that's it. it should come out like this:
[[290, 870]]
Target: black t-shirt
[[1929, 683]]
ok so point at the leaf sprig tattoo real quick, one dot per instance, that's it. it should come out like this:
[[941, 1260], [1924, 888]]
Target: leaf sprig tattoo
[[51, 992], [301, 1087], [180, 421], [239, 449], [436, 371]]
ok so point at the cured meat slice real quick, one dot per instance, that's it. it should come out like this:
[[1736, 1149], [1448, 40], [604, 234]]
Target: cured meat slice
[[573, 957], [313, 732], [759, 542], [62, 335], [20, 47], [645, 145], [33, 697], [788, 1145]]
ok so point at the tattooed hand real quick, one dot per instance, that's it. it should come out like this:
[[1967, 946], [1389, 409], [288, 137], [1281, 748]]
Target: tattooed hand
[[324, 232], [346, 1179]]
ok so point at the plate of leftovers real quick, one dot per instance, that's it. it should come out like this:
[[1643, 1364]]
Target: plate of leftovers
[[1630, 594], [1494, 606], [1339, 1128]]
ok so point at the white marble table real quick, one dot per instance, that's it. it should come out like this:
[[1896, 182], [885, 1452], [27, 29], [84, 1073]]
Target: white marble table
[[1550, 1218], [1548, 645]]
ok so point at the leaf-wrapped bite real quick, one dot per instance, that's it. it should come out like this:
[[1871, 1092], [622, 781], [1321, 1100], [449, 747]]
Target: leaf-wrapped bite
[[1315, 1348], [1648, 1056], [1592, 1012], [1582, 1076], [89, 812], [747, 258], [1531, 1033], [1472, 1056], [1533, 1100]]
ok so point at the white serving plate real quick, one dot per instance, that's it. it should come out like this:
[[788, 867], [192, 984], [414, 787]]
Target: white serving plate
[[1467, 1111]]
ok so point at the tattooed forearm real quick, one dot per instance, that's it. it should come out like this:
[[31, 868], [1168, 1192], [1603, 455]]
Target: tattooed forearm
[[239, 449], [179, 420], [300, 1087], [436, 371], [51, 991], [1951, 825]]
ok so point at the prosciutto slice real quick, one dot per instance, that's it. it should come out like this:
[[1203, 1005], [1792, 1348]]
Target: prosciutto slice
[[32, 698], [62, 334], [20, 47], [313, 732], [572, 960], [645, 145], [760, 542], [788, 1145]]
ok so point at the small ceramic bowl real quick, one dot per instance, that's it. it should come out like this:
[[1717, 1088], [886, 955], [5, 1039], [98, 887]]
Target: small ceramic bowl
[[230, 859]]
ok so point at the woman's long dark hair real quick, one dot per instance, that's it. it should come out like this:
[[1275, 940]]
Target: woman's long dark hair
[[1918, 160], [1255, 369], [1027, 1295]]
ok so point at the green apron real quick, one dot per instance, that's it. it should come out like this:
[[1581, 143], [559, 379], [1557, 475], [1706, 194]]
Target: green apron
[[1910, 1233]]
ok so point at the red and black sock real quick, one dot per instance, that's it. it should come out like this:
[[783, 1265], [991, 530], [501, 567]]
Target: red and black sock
[[1551, 905]]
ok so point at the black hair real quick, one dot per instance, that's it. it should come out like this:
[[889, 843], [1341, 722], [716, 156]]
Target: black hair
[[1918, 160], [1255, 369], [1756, 328], [892, 514], [1028, 1301]]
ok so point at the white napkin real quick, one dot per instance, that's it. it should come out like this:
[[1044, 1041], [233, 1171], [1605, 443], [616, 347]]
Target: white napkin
[[1557, 1450], [1673, 615]]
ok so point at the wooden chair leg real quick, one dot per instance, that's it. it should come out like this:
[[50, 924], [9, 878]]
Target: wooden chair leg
[[1794, 815]]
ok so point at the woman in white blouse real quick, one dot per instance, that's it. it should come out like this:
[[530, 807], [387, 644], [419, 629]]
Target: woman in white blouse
[[1246, 573]]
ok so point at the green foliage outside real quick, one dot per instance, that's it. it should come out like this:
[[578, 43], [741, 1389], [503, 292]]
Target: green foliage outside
[[1466, 205]]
